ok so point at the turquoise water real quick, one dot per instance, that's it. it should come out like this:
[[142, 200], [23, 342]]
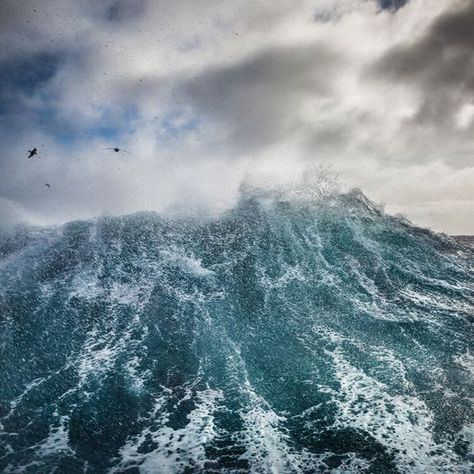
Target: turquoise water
[[281, 337]]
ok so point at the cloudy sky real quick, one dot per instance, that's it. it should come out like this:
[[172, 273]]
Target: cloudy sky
[[205, 94]]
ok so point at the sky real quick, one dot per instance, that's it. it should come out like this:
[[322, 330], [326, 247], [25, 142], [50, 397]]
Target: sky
[[205, 95]]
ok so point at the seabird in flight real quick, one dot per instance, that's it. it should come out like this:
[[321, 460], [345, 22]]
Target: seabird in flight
[[32, 152], [116, 149], [47, 184]]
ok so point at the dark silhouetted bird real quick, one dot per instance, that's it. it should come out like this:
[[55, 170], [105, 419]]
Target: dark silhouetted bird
[[48, 185], [116, 149], [32, 152]]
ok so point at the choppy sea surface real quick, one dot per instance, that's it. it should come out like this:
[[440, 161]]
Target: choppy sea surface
[[284, 336]]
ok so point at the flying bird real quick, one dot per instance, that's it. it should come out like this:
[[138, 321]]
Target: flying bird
[[116, 149], [48, 185], [32, 152]]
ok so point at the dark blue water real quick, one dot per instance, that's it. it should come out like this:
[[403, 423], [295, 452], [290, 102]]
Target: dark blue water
[[281, 337]]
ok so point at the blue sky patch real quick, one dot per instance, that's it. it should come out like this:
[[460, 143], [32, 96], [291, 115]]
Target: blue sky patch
[[27, 75], [177, 123]]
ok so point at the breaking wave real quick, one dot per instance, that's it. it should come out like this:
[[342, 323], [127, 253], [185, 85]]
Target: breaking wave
[[288, 335]]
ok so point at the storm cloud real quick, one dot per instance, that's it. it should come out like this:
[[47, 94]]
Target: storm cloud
[[440, 64], [258, 99], [207, 94]]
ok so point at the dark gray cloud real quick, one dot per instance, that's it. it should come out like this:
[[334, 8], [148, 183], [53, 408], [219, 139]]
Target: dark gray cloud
[[118, 11], [23, 78], [440, 64], [258, 98], [392, 4]]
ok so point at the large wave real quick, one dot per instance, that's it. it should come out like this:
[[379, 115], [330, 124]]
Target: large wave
[[288, 335]]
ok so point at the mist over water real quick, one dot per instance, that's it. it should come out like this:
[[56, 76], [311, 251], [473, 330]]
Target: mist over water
[[297, 332]]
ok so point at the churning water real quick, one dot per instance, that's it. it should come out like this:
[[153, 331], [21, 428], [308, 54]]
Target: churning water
[[285, 336]]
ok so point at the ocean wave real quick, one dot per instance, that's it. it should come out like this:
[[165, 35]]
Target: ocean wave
[[302, 331]]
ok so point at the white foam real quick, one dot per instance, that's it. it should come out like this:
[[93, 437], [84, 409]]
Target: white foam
[[95, 362], [188, 264], [57, 441], [175, 449], [85, 285], [401, 423], [467, 434], [434, 302], [266, 442], [466, 361], [289, 275]]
